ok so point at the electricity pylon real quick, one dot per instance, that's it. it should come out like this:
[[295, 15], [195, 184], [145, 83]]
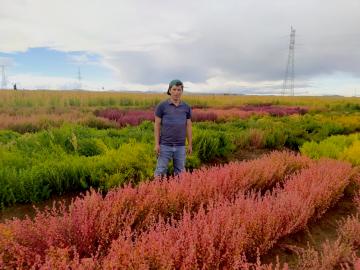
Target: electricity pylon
[[288, 86]]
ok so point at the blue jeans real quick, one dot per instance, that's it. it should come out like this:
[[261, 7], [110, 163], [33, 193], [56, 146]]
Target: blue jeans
[[176, 153]]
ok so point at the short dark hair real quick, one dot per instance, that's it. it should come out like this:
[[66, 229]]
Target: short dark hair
[[173, 83]]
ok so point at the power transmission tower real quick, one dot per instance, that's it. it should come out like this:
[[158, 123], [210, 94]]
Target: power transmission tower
[[79, 77], [3, 77], [288, 86]]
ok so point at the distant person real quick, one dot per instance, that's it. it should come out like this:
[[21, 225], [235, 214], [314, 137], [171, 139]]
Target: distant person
[[15, 86], [172, 127]]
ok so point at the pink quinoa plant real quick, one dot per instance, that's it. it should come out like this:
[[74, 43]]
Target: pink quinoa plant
[[134, 117], [338, 254], [202, 115], [126, 117], [218, 236], [93, 222]]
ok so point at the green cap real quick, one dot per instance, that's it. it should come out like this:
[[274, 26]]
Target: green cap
[[174, 82]]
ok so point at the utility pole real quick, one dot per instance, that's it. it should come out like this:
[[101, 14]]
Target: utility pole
[[3, 77], [288, 85]]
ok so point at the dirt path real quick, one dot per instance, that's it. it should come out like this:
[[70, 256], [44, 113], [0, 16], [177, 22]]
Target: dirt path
[[249, 154], [22, 210], [317, 233]]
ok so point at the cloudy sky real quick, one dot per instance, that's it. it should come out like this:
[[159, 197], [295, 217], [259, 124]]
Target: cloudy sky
[[213, 46]]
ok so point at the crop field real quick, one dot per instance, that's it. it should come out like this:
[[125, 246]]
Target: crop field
[[273, 183]]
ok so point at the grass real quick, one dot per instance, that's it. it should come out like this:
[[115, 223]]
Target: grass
[[15, 100]]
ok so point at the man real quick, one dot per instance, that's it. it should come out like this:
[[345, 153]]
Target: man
[[172, 127]]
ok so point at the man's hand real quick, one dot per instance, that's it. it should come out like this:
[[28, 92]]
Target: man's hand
[[157, 149], [189, 149]]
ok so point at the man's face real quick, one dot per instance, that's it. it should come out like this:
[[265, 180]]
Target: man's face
[[176, 92]]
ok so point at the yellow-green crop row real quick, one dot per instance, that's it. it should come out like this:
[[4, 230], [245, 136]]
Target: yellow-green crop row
[[13, 100], [338, 147]]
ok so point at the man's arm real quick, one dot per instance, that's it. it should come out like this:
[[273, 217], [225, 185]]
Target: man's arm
[[189, 135], [157, 134]]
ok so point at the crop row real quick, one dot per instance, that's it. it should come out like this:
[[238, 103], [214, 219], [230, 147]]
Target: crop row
[[135, 117], [70, 158], [33, 166], [29, 111], [222, 235], [33, 100], [340, 253], [137, 207], [202, 219], [337, 147], [42, 121]]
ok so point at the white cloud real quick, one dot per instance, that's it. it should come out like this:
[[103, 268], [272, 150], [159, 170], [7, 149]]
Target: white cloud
[[216, 84], [149, 43], [30, 81], [82, 59], [33, 81], [6, 61], [212, 85]]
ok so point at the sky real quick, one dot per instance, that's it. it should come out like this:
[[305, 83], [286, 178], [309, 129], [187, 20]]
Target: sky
[[228, 46]]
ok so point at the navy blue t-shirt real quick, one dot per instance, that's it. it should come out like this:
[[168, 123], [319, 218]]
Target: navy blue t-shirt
[[173, 122]]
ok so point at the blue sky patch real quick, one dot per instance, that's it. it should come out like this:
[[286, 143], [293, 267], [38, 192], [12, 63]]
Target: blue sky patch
[[48, 62]]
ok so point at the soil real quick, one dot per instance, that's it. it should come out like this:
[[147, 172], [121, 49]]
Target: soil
[[317, 232], [20, 211], [249, 154]]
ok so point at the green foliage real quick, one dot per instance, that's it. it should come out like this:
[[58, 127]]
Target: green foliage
[[337, 147], [210, 145], [33, 166], [289, 131], [98, 123], [132, 162], [91, 147], [352, 153], [73, 172], [275, 138], [7, 136], [192, 162]]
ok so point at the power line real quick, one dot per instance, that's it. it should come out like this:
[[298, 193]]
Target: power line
[[288, 86]]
